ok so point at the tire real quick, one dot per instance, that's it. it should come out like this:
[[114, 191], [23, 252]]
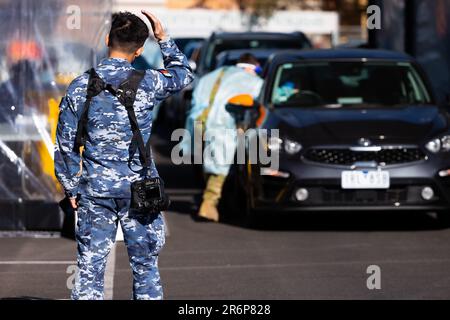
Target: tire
[[199, 175], [235, 204], [250, 217], [231, 200], [443, 219]]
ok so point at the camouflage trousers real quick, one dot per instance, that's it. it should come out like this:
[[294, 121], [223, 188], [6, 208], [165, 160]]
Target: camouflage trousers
[[144, 236]]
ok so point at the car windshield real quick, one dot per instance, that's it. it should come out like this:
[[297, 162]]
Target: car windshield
[[346, 83], [188, 45], [233, 61], [221, 45]]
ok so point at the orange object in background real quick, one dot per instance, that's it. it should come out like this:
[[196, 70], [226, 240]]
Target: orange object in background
[[262, 116], [244, 100], [208, 4], [23, 50]]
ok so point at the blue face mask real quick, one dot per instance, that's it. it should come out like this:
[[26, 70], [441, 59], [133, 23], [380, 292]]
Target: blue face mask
[[258, 70]]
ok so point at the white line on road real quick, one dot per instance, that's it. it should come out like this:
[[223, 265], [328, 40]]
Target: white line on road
[[38, 262], [109, 273], [306, 264]]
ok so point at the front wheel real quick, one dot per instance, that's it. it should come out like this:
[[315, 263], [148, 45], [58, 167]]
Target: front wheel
[[443, 218], [249, 214], [235, 201], [249, 217]]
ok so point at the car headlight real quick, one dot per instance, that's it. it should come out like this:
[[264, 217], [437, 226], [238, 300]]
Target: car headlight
[[445, 143], [274, 144], [439, 144], [434, 145], [292, 147]]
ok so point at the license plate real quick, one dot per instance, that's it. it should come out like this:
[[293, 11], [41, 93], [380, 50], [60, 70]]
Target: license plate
[[365, 179]]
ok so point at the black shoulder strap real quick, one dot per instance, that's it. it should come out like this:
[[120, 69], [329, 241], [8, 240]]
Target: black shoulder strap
[[126, 93], [94, 87]]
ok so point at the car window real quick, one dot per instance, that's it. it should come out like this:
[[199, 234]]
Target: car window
[[221, 45], [233, 61], [188, 45], [345, 83]]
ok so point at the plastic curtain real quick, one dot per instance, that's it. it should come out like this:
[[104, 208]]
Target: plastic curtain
[[43, 46]]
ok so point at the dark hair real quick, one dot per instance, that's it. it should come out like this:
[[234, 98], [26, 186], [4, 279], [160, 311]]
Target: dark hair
[[248, 58], [128, 32]]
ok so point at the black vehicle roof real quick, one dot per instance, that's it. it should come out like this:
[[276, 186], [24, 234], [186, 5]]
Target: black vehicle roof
[[189, 38], [256, 35], [332, 54], [236, 53]]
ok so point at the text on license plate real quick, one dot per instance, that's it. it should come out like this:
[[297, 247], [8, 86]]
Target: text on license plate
[[365, 179]]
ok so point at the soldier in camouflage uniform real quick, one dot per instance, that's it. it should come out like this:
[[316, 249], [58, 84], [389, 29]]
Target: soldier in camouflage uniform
[[101, 176]]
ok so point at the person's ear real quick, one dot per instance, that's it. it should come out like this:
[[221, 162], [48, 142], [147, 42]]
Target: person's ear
[[107, 40], [138, 52]]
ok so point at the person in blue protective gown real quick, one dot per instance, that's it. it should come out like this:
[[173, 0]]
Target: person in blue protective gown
[[220, 133]]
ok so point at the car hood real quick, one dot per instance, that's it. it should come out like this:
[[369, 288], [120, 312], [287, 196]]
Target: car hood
[[411, 124]]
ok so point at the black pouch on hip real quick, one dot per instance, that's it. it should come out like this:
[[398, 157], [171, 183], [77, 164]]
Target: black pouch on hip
[[148, 195]]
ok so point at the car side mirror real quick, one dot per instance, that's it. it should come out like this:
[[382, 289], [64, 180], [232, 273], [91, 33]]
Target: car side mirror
[[240, 104], [244, 109]]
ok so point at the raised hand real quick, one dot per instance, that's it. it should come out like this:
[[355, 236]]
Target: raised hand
[[158, 30]]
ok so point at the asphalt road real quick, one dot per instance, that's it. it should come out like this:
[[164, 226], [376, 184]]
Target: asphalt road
[[314, 256]]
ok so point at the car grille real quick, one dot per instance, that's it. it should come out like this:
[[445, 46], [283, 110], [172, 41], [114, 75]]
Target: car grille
[[348, 157], [363, 197]]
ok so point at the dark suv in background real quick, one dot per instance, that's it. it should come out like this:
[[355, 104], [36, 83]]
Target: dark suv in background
[[223, 41], [218, 42]]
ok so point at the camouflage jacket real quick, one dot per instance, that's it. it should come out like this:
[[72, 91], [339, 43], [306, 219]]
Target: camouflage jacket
[[106, 172]]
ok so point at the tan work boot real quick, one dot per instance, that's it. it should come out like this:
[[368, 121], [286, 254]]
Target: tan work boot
[[211, 196], [208, 210]]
